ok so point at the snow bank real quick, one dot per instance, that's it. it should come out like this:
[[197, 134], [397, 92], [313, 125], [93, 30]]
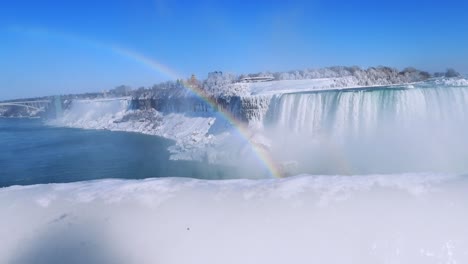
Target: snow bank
[[452, 82], [406, 218], [287, 86]]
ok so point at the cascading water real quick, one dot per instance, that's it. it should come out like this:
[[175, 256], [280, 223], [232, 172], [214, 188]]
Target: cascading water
[[373, 131], [94, 114]]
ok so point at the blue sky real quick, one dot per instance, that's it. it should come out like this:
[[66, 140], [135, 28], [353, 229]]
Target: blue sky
[[58, 47]]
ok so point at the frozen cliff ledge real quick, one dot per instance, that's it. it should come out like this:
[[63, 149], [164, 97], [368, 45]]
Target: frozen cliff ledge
[[335, 78], [309, 85]]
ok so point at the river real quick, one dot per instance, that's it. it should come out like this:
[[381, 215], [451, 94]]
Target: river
[[34, 153]]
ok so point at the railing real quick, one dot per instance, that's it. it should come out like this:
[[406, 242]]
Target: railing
[[35, 105]]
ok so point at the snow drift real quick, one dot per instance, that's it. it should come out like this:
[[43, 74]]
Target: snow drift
[[406, 219]]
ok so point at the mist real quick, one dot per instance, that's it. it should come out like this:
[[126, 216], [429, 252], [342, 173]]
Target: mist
[[375, 131]]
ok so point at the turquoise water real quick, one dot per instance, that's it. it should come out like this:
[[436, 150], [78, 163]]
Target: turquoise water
[[33, 153]]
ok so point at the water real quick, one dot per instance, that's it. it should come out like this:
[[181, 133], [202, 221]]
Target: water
[[33, 153], [373, 131]]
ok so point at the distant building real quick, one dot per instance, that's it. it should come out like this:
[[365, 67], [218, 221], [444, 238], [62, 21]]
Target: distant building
[[193, 79], [257, 79]]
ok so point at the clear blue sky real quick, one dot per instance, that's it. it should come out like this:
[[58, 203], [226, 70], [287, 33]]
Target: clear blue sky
[[51, 47]]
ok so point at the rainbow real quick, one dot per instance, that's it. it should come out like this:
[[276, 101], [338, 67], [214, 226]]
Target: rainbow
[[262, 154]]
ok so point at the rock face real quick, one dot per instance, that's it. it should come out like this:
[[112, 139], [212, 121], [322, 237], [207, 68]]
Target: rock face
[[148, 115], [248, 108], [254, 108], [142, 104]]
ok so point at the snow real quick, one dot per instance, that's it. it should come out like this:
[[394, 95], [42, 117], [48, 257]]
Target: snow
[[453, 82], [400, 218], [307, 85], [285, 86], [338, 77]]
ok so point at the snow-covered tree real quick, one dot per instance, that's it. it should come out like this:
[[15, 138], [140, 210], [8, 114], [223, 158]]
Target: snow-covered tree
[[219, 83]]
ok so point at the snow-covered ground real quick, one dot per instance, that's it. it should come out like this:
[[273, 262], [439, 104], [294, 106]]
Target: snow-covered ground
[[287, 86], [307, 85], [453, 82], [406, 219]]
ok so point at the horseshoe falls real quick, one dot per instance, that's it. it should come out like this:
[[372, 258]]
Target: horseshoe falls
[[377, 130]]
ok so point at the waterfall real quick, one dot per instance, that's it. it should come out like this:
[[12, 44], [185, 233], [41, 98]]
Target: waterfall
[[381, 130], [93, 114], [342, 113]]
